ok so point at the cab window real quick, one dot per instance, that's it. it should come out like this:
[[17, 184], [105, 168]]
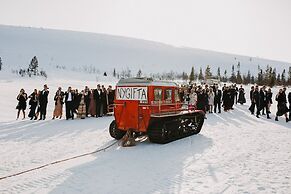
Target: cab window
[[168, 95], [158, 94], [177, 97]]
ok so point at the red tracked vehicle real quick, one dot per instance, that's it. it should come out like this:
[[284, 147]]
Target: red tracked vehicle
[[151, 107]]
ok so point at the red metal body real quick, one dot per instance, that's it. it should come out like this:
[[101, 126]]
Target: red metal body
[[138, 100]]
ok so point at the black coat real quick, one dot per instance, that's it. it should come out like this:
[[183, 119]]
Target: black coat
[[289, 98], [111, 95], [256, 97], [263, 98], [43, 97], [21, 101], [241, 96], [282, 104], [67, 95], [97, 96], [201, 101], [269, 98], [217, 96]]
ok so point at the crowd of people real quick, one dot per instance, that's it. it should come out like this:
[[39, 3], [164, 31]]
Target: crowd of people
[[211, 99], [89, 102], [208, 98]]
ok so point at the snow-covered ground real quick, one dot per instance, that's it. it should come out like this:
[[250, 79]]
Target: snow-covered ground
[[234, 153]]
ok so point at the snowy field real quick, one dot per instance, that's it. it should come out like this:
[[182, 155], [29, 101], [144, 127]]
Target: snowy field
[[234, 153]]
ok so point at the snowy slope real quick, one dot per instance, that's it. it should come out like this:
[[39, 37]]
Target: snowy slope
[[234, 153], [76, 49]]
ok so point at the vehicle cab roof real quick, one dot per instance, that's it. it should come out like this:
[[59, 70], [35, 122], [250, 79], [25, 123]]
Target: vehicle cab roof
[[145, 82]]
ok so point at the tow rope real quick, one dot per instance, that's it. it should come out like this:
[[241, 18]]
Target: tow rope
[[59, 161]]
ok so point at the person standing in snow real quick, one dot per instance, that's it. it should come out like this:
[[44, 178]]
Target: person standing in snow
[[192, 100], [98, 100], [104, 98], [59, 96], [263, 100], [22, 98], [217, 99], [241, 95], [282, 105], [269, 102], [111, 94], [289, 100], [201, 100], [69, 101], [210, 100], [33, 104], [256, 97], [252, 107], [43, 100], [82, 106], [87, 93], [92, 105], [227, 99]]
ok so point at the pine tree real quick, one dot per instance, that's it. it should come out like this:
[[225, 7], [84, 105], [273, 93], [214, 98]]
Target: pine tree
[[278, 80], [185, 76], [238, 75], [200, 76], [114, 73], [192, 75], [248, 78], [232, 77], [208, 73], [283, 77], [252, 80], [225, 78], [260, 76], [33, 66], [289, 76], [272, 81], [218, 73], [139, 73], [1, 64]]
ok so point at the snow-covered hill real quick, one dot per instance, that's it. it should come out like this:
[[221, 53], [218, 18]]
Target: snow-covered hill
[[105, 52], [234, 153]]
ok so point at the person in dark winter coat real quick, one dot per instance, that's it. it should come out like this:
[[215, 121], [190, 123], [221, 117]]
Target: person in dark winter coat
[[43, 100], [87, 93], [233, 95], [104, 98], [98, 100], [289, 100], [201, 100], [22, 98], [69, 101], [227, 98], [76, 101], [282, 108], [111, 94], [256, 98], [241, 95], [33, 104], [217, 99], [252, 107], [263, 100], [269, 102]]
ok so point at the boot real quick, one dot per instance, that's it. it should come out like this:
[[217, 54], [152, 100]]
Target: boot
[[287, 119], [276, 118]]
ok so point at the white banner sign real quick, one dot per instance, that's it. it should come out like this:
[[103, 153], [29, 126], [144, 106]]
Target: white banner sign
[[132, 93]]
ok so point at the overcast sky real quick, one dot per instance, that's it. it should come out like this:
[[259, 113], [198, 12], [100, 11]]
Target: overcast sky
[[249, 27]]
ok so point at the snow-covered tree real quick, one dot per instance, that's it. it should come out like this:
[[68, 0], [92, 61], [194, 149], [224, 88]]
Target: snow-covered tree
[[114, 72], [139, 73], [289, 76], [1, 64], [218, 73], [283, 77], [208, 73], [192, 75], [200, 76], [232, 77], [33, 66]]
